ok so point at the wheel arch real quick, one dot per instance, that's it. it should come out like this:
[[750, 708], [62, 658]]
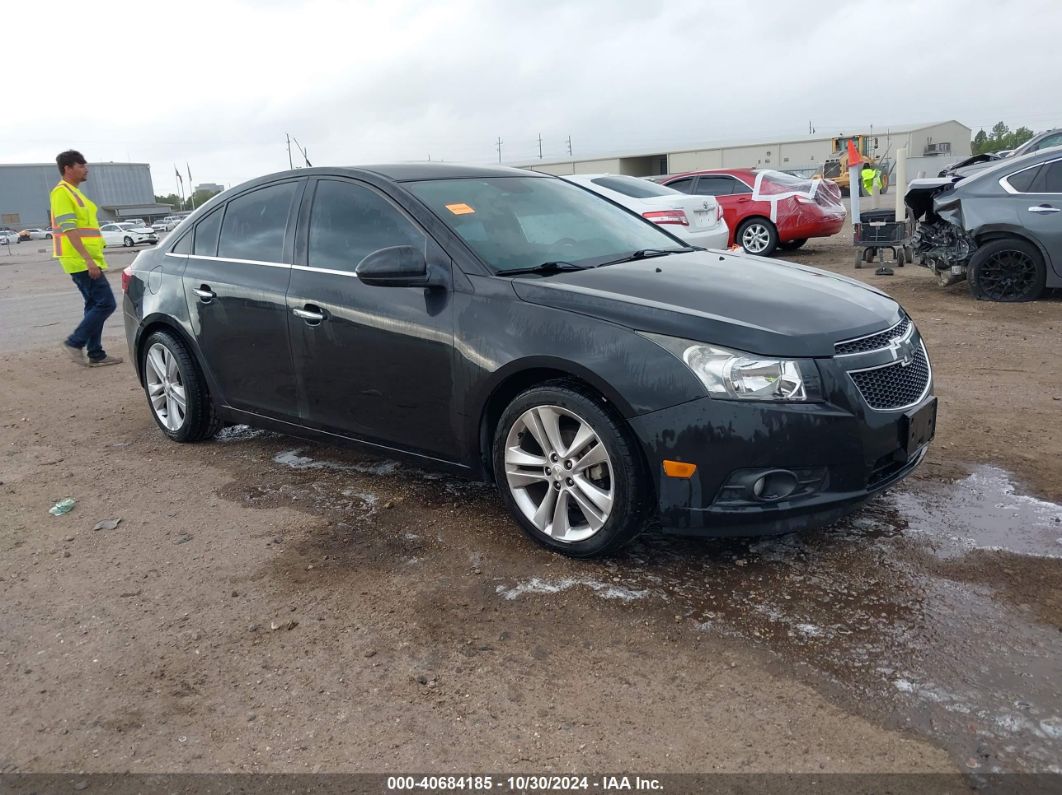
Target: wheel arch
[[991, 233], [519, 376], [160, 322]]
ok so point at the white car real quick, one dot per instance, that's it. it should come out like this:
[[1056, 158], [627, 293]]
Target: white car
[[127, 234], [164, 225], [7, 237], [696, 219], [35, 234]]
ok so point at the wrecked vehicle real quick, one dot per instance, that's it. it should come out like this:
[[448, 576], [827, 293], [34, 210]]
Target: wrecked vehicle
[[1000, 229]]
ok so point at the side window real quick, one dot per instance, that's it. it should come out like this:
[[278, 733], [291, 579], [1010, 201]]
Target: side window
[[350, 221], [737, 186], [255, 224], [714, 186], [685, 185], [1049, 141], [184, 245], [1050, 179], [107, 228], [206, 235]]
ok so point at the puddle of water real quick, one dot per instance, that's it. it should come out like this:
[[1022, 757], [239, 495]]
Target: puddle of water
[[858, 603], [239, 433], [604, 590], [982, 511]]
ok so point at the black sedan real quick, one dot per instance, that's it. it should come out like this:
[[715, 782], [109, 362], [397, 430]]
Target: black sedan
[[510, 326]]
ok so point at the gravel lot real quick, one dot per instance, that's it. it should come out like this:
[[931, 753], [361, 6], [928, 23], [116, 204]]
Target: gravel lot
[[267, 604]]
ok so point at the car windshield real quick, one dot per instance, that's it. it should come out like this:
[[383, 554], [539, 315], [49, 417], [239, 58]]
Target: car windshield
[[521, 222]]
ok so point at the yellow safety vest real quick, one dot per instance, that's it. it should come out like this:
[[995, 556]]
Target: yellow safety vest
[[868, 175], [72, 209]]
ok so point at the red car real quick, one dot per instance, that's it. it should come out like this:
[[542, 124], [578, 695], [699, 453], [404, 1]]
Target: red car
[[767, 209]]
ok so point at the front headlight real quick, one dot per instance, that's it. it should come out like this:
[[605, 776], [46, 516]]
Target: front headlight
[[733, 374]]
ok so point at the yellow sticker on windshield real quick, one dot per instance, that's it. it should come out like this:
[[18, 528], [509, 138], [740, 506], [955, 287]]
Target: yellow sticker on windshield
[[459, 209]]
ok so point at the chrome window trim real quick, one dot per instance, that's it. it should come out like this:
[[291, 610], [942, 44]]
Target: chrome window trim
[[1005, 184], [229, 259], [333, 271], [925, 392]]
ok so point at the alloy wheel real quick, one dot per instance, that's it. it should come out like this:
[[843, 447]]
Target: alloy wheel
[[166, 388], [1007, 275], [756, 238], [559, 473]]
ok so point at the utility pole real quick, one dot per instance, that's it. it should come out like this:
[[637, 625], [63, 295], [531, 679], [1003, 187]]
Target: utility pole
[[499, 148], [569, 146], [540, 146], [290, 164]]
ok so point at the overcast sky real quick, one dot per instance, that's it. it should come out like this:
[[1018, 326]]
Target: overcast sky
[[217, 84]]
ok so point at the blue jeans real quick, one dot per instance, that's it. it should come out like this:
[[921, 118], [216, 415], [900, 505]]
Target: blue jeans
[[99, 304]]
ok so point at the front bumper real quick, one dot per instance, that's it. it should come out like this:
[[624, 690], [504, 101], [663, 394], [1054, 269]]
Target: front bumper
[[857, 451]]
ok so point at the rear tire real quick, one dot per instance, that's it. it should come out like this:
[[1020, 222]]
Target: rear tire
[[758, 236], [1008, 270], [792, 245], [171, 375], [579, 511]]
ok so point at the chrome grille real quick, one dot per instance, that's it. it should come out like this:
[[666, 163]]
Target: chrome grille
[[895, 385], [874, 341]]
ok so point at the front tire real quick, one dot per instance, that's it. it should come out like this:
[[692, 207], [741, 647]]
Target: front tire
[[176, 390], [1007, 270], [569, 471], [758, 236], [127, 242]]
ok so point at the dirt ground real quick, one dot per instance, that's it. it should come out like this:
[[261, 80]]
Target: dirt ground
[[270, 605]]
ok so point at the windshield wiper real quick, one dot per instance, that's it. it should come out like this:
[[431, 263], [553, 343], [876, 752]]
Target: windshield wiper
[[545, 267], [646, 253]]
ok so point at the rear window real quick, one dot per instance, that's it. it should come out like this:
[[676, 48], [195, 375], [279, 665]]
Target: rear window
[[779, 182], [634, 187], [1023, 180]]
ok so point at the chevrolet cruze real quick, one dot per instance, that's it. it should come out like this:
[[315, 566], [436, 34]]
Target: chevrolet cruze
[[510, 326]]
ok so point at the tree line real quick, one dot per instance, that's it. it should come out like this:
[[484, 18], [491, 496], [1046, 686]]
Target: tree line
[[1000, 138]]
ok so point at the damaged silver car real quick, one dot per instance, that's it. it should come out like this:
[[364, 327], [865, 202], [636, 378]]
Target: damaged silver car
[[1000, 229]]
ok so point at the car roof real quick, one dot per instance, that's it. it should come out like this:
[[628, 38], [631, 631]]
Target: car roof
[[733, 172], [415, 172]]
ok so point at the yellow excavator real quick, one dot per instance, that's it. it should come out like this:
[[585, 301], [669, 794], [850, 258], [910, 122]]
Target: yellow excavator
[[836, 167]]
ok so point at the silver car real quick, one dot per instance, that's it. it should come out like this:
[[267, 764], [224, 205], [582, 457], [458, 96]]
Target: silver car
[[1001, 228]]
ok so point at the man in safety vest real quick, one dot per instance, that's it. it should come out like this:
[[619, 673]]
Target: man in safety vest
[[78, 245], [871, 180]]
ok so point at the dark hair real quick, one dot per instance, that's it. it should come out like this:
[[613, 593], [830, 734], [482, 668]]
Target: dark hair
[[71, 157]]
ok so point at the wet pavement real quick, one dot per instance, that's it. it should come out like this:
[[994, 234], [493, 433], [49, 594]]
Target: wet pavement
[[936, 607]]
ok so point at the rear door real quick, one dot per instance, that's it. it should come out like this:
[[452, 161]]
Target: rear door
[[372, 362], [235, 282], [1040, 210]]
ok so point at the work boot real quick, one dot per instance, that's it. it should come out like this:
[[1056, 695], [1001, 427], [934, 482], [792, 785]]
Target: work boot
[[76, 354], [106, 360]]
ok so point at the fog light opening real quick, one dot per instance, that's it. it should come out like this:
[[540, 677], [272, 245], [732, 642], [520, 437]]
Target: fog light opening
[[775, 485]]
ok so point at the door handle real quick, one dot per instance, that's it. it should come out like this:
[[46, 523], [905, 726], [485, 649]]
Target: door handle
[[311, 314], [206, 295], [1044, 209]]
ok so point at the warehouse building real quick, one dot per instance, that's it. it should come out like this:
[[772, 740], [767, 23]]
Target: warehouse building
[[930, 147], [119, 190]]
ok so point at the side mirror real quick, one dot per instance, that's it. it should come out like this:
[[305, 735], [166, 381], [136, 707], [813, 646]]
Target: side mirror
[[397, 266]]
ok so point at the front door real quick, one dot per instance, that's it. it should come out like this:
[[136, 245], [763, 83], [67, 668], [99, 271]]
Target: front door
[[235, 284], [372, 362]]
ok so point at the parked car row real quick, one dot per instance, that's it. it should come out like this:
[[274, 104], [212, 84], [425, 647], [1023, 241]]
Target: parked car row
[[766, 209], [513, 327]]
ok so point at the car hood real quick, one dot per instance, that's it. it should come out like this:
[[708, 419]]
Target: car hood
[[747, 303]]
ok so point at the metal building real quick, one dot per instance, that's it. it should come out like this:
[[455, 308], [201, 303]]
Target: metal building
[[930, 147], [120, 190]]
